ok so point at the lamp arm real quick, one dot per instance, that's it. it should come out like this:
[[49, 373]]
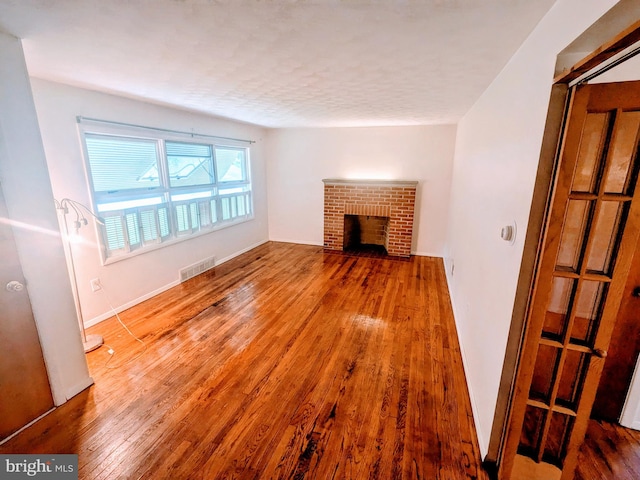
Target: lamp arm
[[90, 342]]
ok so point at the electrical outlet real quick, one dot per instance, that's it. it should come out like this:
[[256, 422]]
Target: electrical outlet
[[95, 285]]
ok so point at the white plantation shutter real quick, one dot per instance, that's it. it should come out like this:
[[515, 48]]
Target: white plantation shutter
[[163, 222], [195, 217], [214, 211], [133, 228], [204, 213], [149, 224], [182, 218], [241, 206], [226, 208], [114, 233]]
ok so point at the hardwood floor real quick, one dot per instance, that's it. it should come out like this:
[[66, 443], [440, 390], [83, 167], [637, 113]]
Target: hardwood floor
[[286, 362], [609, 452]]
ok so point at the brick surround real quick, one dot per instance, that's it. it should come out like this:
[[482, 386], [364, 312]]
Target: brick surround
[[379, 198]]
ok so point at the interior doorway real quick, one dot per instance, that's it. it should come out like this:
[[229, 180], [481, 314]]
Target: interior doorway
[[592, 228], [572, 314]]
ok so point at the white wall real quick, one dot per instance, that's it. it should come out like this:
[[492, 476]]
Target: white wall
[[134, 279], [496, 157], [630, 416], [27, 190], [300, 158]]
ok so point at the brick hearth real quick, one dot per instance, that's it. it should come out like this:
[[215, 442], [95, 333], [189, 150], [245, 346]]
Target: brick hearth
[[379, 198]]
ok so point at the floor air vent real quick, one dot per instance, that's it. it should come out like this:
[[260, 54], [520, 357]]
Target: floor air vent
[[197, 268]]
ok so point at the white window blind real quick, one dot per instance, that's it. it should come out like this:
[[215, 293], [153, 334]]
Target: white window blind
[[119, 164]]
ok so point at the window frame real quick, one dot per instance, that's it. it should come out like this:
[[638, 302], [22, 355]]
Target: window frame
[[165, 192]]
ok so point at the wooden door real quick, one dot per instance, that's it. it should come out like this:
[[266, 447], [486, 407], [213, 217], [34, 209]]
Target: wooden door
[[25, 393], [593, 223], [623, 351]]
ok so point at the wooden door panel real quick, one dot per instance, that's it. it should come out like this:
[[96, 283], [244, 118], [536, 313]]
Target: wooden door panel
[[24, 384], [590, 236], [623, 351]]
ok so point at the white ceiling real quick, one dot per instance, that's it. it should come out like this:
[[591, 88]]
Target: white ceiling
[[280, 63]]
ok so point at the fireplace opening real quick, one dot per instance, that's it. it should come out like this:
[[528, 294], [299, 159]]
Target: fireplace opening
[[366, 234]]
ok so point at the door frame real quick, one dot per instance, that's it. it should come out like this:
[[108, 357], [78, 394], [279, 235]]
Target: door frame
[[500, 455]]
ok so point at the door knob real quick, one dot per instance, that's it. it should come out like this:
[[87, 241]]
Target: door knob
[[14, 286], [636, 292], [598, 352]]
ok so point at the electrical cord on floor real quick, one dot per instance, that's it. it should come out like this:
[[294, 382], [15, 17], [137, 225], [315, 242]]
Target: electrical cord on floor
[[111, 349]]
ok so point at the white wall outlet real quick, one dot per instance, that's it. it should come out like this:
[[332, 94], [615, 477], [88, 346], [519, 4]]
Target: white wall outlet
[[95, 285]]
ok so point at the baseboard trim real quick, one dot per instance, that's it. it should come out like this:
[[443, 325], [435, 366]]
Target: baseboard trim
[[465, 365], [79, 387], [123, 307], [5, 440], [147, 296], [299, 242], [319, 244], [240, 252], [427, 254]]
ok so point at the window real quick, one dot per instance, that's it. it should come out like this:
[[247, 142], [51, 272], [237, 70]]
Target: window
[[153, 191]]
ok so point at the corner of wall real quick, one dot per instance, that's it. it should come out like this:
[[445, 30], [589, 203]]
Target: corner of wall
[[29, 200]]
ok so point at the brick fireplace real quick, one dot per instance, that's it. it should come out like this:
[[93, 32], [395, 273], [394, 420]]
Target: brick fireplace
[[393, 202]]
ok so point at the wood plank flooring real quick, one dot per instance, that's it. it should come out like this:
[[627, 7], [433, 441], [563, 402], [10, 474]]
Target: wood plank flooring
[[609, 452], [285, 362]]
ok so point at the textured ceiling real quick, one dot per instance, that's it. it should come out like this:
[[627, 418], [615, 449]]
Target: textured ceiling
[[280, 63]]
